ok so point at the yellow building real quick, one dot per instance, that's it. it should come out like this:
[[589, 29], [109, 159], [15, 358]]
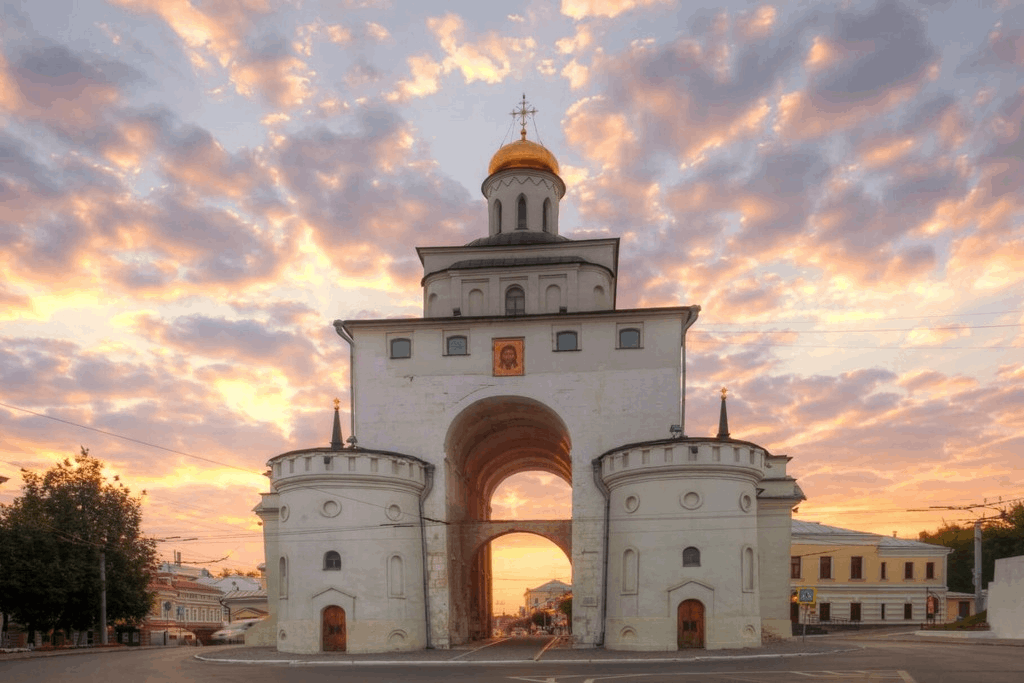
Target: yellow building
[[866, 578]]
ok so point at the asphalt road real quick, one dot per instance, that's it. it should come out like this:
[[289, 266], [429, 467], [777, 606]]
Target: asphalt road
[[879, 660]]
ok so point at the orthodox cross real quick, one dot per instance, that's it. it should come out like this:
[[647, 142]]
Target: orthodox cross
[[521, 113], [337, 403]]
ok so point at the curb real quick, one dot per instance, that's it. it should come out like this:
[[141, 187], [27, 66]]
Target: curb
[[513, 662]]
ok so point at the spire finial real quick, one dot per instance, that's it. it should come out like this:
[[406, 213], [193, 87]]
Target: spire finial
[[723, 418], [524, 110], [336, 442]]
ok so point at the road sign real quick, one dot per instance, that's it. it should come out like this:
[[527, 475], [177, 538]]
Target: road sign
[[806, 596]]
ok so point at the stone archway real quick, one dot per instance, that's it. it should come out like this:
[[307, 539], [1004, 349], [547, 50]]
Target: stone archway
[[486, 443]]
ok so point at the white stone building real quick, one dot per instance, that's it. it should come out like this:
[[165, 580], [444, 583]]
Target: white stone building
[[522, 362]]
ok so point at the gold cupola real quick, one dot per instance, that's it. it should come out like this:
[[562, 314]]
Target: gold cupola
[[523, 154]]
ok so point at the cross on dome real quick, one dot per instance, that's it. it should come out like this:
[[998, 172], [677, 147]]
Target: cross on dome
[[521, 113]]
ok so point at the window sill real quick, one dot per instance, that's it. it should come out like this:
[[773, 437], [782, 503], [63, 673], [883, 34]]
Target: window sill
[[629, 348], [565, 350]]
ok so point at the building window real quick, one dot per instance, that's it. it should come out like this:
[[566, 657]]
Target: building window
[[401, 348], [825, 567], [854, 611], [521, 213], [629, 338], [795, 565], [908, 611], [883, 611], [929, 570], [824, 612], [908, 570], [882, 575], [456, 346], [282, 577], [566, 341], [691, 557], [497, 214], [332, 560], [547, 211], [515, 301], [856, 567]]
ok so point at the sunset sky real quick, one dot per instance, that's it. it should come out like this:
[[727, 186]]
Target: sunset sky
[[190, 192]]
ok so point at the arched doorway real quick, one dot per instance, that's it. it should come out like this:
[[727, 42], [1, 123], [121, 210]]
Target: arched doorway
[[334, 630], [488, 442], [690, 624]]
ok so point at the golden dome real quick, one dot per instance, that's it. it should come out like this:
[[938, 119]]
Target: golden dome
[[523, 154]]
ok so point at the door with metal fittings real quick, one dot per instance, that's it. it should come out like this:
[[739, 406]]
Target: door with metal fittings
[[690, 624], [335, 635]]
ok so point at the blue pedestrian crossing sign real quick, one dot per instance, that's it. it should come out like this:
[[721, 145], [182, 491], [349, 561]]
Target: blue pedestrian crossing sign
[[806, 596]]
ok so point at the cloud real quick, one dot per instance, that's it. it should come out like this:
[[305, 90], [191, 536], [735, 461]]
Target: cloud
[[426, 74], [490, 59], [581, 9]]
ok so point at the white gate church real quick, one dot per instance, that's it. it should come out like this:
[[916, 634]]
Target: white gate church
[[522, 362]]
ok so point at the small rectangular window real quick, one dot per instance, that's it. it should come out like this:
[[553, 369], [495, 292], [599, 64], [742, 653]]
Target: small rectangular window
[[929, 570], [824, 612], [908, 570], [882, 574], [854, 611], [908, 611], [794, 567], [456, 345], [856, 567], [825, 567], [883, 611], [401, 348], [566, 341], [629, 338]]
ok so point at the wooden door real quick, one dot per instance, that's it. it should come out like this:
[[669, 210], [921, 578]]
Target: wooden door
[[690, 624], [334, 632]]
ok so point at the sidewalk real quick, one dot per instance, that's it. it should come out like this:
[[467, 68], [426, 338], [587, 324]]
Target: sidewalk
[[485, 655], [61, 652]]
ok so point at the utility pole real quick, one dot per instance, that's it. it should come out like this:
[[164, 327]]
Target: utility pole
[[103, 595], [977, 567]]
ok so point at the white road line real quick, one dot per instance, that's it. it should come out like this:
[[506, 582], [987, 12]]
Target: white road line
[[495, 642], [907, 678], [546, 647]]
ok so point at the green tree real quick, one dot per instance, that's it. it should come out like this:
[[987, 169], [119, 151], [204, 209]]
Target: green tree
[[1003, 537], [51, 539]]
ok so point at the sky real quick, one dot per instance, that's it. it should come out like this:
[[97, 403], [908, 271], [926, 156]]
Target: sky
[[190, 192]]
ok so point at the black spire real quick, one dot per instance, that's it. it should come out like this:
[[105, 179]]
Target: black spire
[[336, 442], [723, 418]]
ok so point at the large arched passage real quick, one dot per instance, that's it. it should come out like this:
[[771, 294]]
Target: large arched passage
[[489, 441]]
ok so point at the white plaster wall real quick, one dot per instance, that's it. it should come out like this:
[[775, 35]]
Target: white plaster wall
[[647, 516], [1006, 598], [536, 186], [774, 524], [605, 397]]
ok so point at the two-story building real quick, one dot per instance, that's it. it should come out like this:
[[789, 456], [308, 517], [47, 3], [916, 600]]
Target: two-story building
[[866, 578]]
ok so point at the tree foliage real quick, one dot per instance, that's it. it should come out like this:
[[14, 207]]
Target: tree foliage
[[50, 543], [1001, 538]]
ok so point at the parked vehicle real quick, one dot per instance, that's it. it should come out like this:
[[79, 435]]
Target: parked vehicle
[[235, 632]]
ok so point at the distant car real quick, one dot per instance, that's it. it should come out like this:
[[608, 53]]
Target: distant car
[[234, 633]]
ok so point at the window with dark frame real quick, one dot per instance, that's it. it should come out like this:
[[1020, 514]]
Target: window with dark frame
[[456, 346], [521, 213], [547, 210], [795, 565], [908, 611], [691, 557], [629, 338], [825, 567], [929, 570], [883, 611], [854, 611], [401, 348], [566, 341], [497, 213], [332, 560], [856, 567], [882, 575], [515, 301], [908, 570], [824, 612]]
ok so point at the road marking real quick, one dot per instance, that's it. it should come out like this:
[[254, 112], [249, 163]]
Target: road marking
[[907, 678], [495, 642], [546, 647]]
